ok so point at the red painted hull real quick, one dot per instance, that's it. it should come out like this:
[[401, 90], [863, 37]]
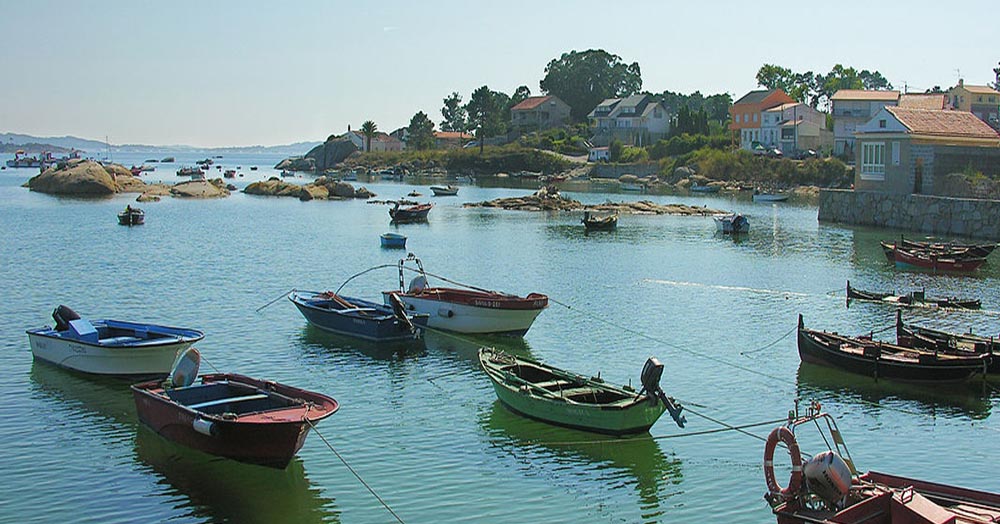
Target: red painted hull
[[927, 260], [489, 300], [269, 438]]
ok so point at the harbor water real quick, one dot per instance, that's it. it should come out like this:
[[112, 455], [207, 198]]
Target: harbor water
[[420, 423]]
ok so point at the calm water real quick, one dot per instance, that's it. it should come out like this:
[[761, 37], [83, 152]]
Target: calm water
[[421, 424]]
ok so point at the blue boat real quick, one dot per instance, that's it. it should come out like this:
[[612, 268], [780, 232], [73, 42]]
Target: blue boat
[[358, 318], [393, 240], [704, 189]]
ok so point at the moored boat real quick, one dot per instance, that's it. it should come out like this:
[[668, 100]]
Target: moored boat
[[945, 342], [448, 190], [229, 173], [468, 310], [732, 223], [560, 397], [935, 262], [982, 249], [187, 171], [912, 299], [393, 240], [132, 216], [704, 189], [599, 223], [406, 214], [769, 197], [109, 347], [234, 416], [358, 318]]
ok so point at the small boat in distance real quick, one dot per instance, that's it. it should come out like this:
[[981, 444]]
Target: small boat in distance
[[559, 397], [132, 216], [731, 224], [286, 173], [188, 171], [703, 189], [253, 168], [769, 197], [393, 240], [109, 347], [599, 223], [448, 190], [982, 249], [233, 416], [407, 214], [358, 318], [911, 299], [229, 173]]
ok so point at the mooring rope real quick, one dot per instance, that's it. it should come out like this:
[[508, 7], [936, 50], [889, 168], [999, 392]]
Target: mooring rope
[[352, 470], [724, 429], [762, 348], [281, 296]]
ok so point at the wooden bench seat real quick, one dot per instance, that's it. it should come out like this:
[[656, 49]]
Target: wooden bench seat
[[553, 385], [228, 400]]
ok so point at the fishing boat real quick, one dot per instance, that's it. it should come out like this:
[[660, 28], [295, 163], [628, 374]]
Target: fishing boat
[[945, 342], [559, 397], [909, 259], [21, 159], [109, 347], [826, 488], [188, 171], [965, 252], [731, 224], [704, 189], [393, 240], [448, 190], [599, 223], [912, 299], [407, 214], [769, 197], [358, 318], [229, 173], [467, 309], [865, 356], [982, 249], [132, 216], [234, 416]]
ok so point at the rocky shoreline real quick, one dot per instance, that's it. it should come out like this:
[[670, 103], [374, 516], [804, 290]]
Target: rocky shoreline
[[89, 178], [549, 199]]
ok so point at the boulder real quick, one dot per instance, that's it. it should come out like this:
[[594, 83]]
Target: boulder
[[200, 189], [273, 186], [314, 192], [84, 178], [297, 163], [343, 190], [363, 192]]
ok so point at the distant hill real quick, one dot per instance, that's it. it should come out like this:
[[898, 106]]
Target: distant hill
[[95, 146]]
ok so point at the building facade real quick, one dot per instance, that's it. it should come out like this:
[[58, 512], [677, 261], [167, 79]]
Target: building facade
[[794, 127], [852, 108], [638, 120], [746, 114], [538, 112], [982, 101]]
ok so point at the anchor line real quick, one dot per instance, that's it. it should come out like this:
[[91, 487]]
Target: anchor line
[[281, 296], [353, 471], [725, 428]]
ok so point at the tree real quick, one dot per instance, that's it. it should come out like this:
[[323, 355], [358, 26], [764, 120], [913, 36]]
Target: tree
[[420, 132], [816, 89], [584, 79], [615, 150], [996, 71], [488, 113], [455, 118], [369, 129], [773, 76], [520, 94]]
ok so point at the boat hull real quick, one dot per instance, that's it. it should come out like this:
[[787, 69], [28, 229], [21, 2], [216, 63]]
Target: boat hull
[[393, 241], [126, 218], [764, 197], [730, 224], [444, 190], [915, 260], [380, 326], [468, 317]]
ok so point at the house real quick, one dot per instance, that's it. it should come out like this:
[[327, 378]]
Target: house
[[380, 141], [451, 139], [982, 101], [902, 150], [599, 154], [794, 127], [852, 108], [746, 114], [637, 120], [538, 112]]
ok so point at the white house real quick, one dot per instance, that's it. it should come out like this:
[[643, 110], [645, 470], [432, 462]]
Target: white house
[[636, 120], [852, 108], [794, 127]]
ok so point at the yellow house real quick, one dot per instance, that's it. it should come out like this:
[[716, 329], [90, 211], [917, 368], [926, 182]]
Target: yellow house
[[982, 101]]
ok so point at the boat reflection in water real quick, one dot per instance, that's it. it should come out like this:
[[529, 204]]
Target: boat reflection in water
[[319, 344], [826, 384], [223, 490], [105, 401], [611, 463]]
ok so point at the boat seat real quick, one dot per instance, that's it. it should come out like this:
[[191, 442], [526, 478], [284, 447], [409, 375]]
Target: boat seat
[[84, 330], [118, 341], [244, 398], [552, 384], [357, 310]]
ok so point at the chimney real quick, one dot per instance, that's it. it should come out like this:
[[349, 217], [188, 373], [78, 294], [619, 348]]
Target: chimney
[[961, 82]]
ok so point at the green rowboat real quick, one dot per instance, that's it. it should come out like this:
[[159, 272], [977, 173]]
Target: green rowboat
[[563, 398]]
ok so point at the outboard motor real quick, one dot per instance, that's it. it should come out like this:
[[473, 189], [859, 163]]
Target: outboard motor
[[62, 315], [652, 370], [828, 476], [399, 310]]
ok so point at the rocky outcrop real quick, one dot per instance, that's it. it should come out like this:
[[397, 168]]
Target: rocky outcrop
[[297, 163], [85, 178], [322, 157], [322, 188], [216, 188], [549, 199]]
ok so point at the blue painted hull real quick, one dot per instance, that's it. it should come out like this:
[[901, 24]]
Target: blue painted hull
[[392, 240], [365, 320]]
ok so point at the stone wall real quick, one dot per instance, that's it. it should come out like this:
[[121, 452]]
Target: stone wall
[[962, 217], [602, 170]]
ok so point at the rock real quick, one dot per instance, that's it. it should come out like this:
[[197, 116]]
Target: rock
[[363, 192], [343, 190], [85, 178], [147, 197], [314, 192], [297, 164], [272, 187], [198, 189]]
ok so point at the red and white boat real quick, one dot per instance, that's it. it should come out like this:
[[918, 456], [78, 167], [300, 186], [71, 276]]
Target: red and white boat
[[467, 309]]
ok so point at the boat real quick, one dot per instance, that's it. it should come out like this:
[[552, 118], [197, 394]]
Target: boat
[[199, 175], [132, 216], [562, 398], [230, 415], [827, 488], [229, 173], [253, 168], [945, 342], [704, 189], [599, 223], [732, 223], [865, 356], [358, 318], [135, 170], [769, 197], [912, 299], [937, 250], [109, 347], [286, 173], [448, 190], [406, 214], [467, 309], [188, 171], [21, 159], [908, 259], [393, 240], [974, 250]]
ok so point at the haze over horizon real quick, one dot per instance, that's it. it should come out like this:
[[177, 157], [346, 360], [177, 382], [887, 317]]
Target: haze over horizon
[[255, 73]]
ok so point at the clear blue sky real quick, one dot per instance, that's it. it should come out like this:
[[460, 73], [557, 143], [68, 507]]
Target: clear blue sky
[[215, 73]]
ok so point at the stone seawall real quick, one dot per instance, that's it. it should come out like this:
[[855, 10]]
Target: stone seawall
[[961, 217], [602, 170]]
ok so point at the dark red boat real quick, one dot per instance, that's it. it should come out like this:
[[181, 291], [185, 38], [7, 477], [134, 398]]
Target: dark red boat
[[403, 214], [234, 416], [934, 261]]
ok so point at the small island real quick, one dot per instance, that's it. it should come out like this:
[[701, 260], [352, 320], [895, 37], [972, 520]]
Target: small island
[[549, 199]]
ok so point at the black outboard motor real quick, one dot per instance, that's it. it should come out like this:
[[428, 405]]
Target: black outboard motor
[[652, 370], [62, 315], [399, 310]]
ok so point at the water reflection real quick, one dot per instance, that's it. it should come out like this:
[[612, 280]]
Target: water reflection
[[637, 463], [465, 347], [110, 399], [967, 399], [221, 490], [320, 345]]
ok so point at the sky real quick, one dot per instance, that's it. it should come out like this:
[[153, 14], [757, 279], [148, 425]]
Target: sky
[[227, 73]]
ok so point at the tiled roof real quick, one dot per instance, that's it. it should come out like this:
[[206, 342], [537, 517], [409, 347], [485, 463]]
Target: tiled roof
[[605, 107], [943, 123], [862, 94], [451, 135], [783, 107], [981, 90], [936, 101], [754, 97], [530, 103]]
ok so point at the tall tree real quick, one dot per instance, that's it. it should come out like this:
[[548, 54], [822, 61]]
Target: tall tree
[[773, 76], [816, 89], [520, 94], [455, 118], [996, 71], [488, 113], [369, 129], [420, 132], [583, 79]]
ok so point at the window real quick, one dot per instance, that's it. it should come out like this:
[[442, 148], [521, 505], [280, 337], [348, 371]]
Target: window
[[895, 153], [881, 123], [737, 119], [873, 161], [755, 117], [787, 133]]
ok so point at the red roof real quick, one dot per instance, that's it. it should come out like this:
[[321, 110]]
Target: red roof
[[530, 103], [960, 124], [451, 135], [935, 101], [863, 94]]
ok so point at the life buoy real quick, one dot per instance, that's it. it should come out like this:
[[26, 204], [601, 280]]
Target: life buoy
[[786, 436]]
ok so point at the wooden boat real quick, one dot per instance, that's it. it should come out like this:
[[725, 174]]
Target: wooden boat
[[563, 398], [448, 190], [827, 488], [230, 415], [912, 299], [358, 318], [229, 173], [769, 197], [599, 223], [889, 249], [393, 240], [187, 171], [980, 250], [865, 356], [132, 216], [704, 189], [407, 214], [935, 262], [732, 223], [468, 310], [109, 347], [951, 343]]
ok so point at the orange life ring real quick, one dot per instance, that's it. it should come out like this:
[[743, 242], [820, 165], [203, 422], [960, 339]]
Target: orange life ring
[[786, 436]]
